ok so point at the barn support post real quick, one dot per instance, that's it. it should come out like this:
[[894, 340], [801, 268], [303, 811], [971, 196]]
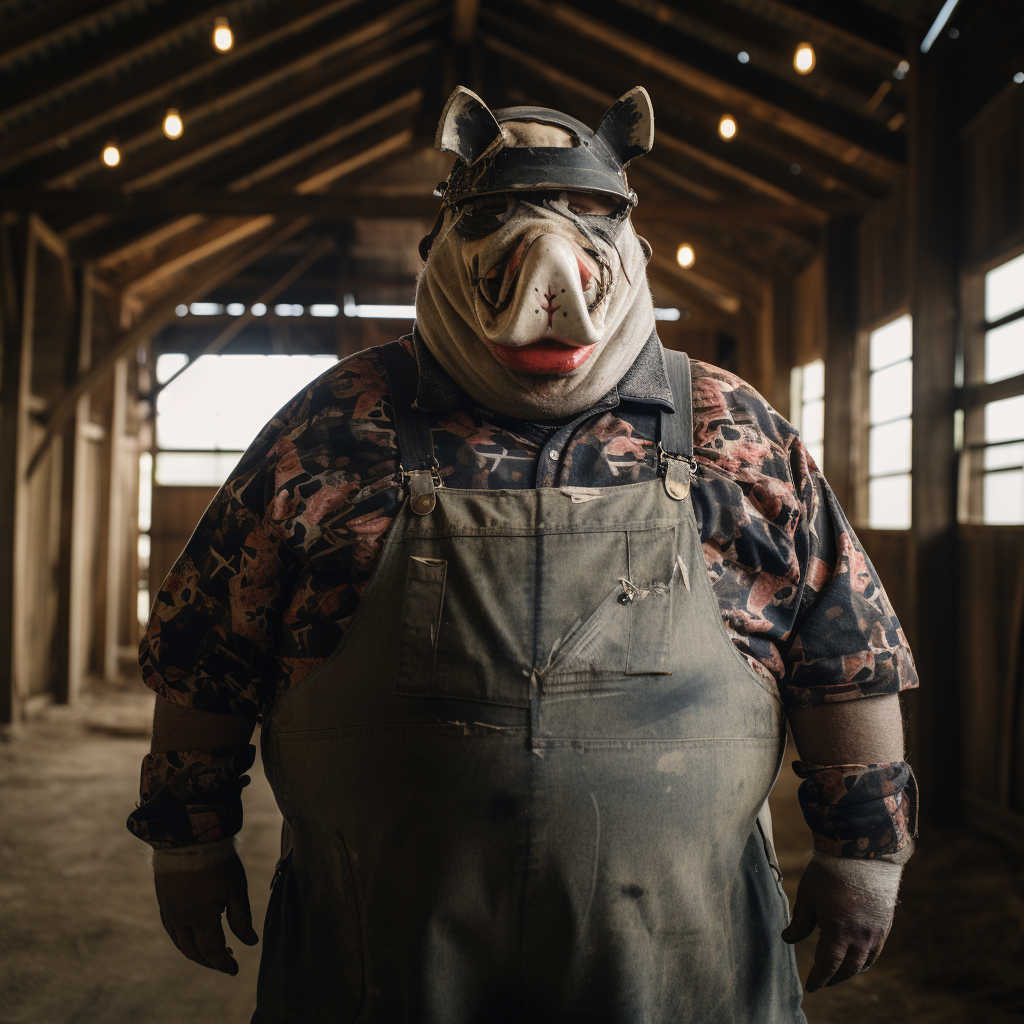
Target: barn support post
[[933, 232], [115, 524], [74, 591], [841, 295], [17, 294]]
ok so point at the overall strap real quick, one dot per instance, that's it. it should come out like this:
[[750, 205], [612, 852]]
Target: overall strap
[[675, 450], [415, 443]]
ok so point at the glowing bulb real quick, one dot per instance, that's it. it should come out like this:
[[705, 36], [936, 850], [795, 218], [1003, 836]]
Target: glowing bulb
[[173, 126], [804, 59], [727, 126], [223, 38], [685, 256], [111, 155]]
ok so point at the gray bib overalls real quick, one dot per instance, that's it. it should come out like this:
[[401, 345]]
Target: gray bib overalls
[[526, 786]]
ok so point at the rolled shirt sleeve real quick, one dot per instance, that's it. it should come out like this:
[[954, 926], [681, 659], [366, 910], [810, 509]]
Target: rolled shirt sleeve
[[800, 599]]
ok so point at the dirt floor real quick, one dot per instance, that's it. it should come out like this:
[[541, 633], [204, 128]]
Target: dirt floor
[[81, 942]]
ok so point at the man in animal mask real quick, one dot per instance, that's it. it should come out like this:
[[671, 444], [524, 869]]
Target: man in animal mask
[[522, 720]]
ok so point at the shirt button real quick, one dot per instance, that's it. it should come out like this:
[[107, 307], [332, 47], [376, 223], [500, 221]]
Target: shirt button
[[553, 455]]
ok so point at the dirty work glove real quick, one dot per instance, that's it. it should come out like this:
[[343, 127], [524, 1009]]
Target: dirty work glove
[[852, 902], [193, 890]]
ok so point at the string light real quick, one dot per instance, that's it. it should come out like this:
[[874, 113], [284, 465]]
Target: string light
[[685, 256], [173, 126], [804, 59], [727, 127], [223, 37], [111, 155]]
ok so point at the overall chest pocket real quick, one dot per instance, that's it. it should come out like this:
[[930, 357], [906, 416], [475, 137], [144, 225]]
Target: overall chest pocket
[[495, 615]]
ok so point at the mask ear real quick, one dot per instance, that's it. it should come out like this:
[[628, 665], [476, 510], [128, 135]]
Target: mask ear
[[467, 127], [627, 127]]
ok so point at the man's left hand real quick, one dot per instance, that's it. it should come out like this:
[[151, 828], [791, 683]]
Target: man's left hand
[[854, 925]]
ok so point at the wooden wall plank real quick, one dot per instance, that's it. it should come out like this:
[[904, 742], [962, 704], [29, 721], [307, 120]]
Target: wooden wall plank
[[934, 288], [18, 256]]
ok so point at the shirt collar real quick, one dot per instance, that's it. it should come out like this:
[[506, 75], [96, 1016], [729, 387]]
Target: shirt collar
[[645, 382]]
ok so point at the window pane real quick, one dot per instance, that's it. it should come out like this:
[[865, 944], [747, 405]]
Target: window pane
[[890, 392], [224, 401], [813, 380], [889, 503], [1004, 351], [194, 469], [168, 364], [1004, 456], [813, 422], [1004, 497], [1004, 289], [889, 448], [1004, 420], [891, 343]]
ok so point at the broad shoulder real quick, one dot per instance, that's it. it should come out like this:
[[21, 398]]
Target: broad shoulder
[[734, 426]]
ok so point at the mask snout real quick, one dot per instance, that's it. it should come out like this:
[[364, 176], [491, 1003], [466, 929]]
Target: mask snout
[[552, 300]]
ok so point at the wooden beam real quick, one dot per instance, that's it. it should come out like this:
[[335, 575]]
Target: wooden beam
[[161, 314], [155, 84], [145, 39], [240, 323], [662, 138], [202, 145], [841, 296], [878, 151], [74, 586], [885, 48], [19, 302], [45, 28], [934, 222], [711, 291], [723, 31], [464, 20]]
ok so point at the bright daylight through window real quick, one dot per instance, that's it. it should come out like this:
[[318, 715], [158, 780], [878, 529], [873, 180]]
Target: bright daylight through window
[[889, 417], [209, 415], [807, 404], [1003, 452]]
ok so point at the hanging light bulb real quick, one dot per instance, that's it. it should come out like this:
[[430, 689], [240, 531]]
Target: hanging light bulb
[[173, 125], [804, 59], [685, 256], [223, 37], [727, 127], [111, 155]]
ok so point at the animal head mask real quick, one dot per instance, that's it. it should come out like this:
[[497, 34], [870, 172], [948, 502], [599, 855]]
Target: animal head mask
[[534, 296]]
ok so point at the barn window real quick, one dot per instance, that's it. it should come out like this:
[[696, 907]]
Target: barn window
[[994, 453], [209, 415], [890, 369], [1003, 453], [807, 405]]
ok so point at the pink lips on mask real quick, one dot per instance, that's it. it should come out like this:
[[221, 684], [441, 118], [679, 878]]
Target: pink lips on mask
[[548, 357]]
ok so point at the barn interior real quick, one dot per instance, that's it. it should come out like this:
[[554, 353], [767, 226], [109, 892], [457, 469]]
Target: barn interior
[[835, 202]]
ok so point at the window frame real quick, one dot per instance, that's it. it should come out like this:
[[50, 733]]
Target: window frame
[[860, 405], [976, 393]]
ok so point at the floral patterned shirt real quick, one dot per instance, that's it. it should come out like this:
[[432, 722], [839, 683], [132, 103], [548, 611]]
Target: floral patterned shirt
[[275, 570]]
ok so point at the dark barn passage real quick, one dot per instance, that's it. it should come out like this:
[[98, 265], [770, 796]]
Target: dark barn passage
[[205, 206]]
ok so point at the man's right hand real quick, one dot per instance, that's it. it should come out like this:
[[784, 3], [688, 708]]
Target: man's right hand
[[191, 904]]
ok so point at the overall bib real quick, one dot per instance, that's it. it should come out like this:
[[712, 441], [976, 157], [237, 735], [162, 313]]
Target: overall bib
[[526, 787]]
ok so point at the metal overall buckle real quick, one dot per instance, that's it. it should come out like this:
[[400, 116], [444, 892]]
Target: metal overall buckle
[[422, 484], [678, 471]]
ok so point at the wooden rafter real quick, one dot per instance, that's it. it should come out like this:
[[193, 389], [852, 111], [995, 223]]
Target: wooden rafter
[[464, 20], [604, 99], [729, 35], [886, 49], [872, 151], [207, 140], [150, 36], [154, 84]]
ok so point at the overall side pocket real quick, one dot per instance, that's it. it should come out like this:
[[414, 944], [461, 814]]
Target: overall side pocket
[[421, 623]]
